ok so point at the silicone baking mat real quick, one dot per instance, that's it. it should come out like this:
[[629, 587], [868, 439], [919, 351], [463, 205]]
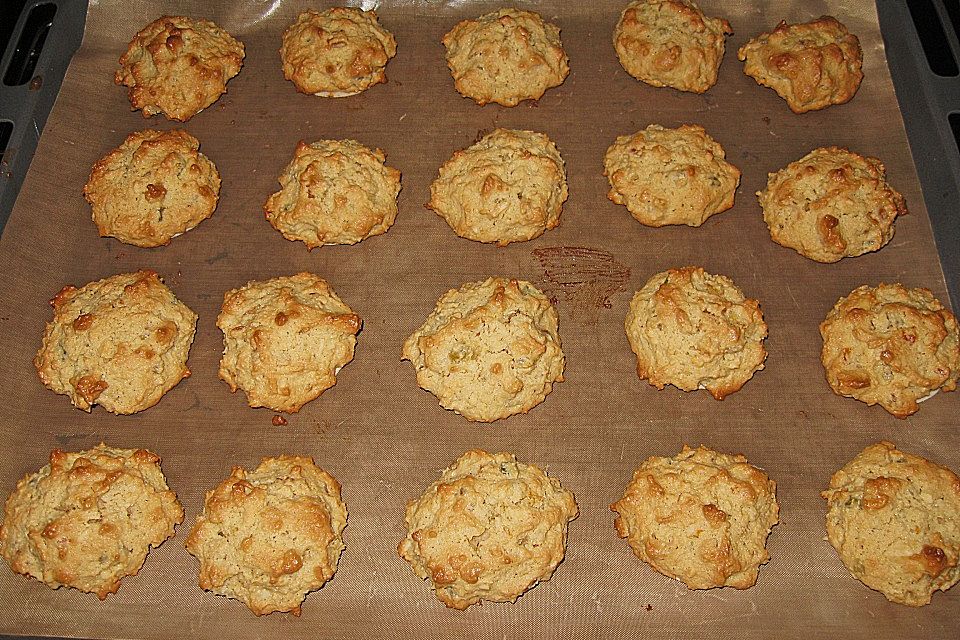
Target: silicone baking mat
[[383, 437]]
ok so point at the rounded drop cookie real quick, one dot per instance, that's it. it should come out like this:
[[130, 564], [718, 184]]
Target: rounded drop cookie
[[670, 176], [335, 53], [334, 192], [178, 66], [696, 330], [152, 188], [892, 346], [670, 43], [489, 350], [505, 57], [121, 343], [811, 65], [894, 520], [270, 536], [701, 517], [508, 187], [489, 529], [88, 519], [285, 339], [831, 204]]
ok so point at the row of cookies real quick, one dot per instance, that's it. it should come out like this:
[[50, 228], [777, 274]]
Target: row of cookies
[[489, 350], [178, 65], [489, 528], [510, 186]]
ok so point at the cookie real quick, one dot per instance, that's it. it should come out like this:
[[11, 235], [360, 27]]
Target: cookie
[[831, 204], [336, 53], [701, 517], [670, 176], [121, 342], [894, 518], [489, 350], [505, 57], [179, 66], [88, 519], [152, 188], [670, 43], [271, 536], [508, 187], [489, 529], [891, 346], [811, 65], [284, 340], [695, 330], [334, 192]]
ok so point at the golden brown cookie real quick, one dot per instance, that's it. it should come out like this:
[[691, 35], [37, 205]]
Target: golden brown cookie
[[489, 529], [178, 66], [701, 517], [505, 57], [894, 518], [121, 342], [489, 349], [696, 330], [88, 519], [336, 53], [334, 192], [670, 43], [670, 176], [152, 188], [810, 65], [271, 536], [508, 187], [831, 204], [284, 340], [891, 346]]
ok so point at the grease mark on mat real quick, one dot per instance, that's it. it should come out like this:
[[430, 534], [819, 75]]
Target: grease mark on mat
[[585, 277], [65, 439]]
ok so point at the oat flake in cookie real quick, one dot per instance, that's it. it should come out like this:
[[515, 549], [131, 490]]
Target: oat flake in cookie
[[270, 536], [121, 342], [891, 346], [88, 519], [489, 350], [670, 176], [489, 529], [831, 204], [508, 187], [811, 65], [284, 340], [894, 519], [334, 192], [178, 66], [336, 53], [696, 330], [505, 57], [670, 43], [152, 188], [701, 517]]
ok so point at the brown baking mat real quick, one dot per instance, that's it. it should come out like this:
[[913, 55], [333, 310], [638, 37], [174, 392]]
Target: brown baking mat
[[384, 438]]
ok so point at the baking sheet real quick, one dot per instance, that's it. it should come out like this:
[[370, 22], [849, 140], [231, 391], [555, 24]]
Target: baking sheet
[[384, 438]]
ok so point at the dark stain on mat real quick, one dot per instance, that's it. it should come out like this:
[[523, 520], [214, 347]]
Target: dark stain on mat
[[67, 439], [585, 277]]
